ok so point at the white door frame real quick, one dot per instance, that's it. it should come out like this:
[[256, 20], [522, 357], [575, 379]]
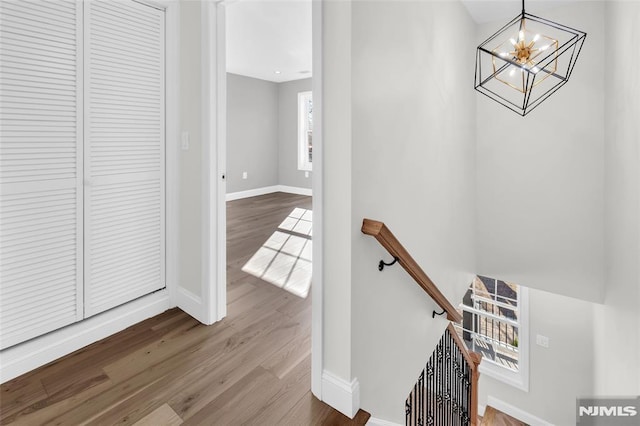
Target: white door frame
[[317, 313], [214, 188], [212, 306]]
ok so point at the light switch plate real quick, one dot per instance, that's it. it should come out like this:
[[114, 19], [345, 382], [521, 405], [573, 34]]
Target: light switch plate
[[184, 141], [542, 341]]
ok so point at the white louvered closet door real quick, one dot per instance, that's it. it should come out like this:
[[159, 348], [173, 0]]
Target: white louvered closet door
[[40, 168], [124, 153]]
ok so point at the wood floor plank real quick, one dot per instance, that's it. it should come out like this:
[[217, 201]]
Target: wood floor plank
[[75, 383], [49, 408], [94, 407], [337, 418], [226, 364], [284, 396], [237, 291], [308, 411], [493, 417], [20, 393], [297, 307], [256, 399], [255, 306], [184, 334], [164, 416], [279, 330], [60, 377], [230, 407], [289, 356], [169, 322], [139, 395]]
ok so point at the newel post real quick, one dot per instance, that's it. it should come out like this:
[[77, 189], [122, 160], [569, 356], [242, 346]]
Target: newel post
[[475, 376]]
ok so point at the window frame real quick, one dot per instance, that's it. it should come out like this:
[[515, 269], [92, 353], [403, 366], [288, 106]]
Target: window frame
[[520, 378], [304, 164]]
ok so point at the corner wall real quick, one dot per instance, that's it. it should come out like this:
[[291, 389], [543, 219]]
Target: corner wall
[[252, 133], [337, 226], [288, 173], [412, 167], [191, 161], [617, 322]]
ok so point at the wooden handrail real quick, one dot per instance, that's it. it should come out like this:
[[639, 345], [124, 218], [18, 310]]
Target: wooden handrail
[[472, 358], [390, 242]]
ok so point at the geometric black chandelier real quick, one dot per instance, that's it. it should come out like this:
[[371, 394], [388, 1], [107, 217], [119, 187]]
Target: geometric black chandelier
[[526, 61]]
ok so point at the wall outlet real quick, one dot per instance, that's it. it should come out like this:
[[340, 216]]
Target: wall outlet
[[184, 140], [542, 341], [306, 174], [244, 175]]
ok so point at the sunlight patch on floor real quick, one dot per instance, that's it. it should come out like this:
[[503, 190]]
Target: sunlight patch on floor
[[298, 221], [284, 260]]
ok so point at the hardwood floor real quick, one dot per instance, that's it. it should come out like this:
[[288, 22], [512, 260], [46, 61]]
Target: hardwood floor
[[493, 417], [251, 368]]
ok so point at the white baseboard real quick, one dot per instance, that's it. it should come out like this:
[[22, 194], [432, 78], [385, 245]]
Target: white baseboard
[[267, 190], [516, 412], [37, 352], [191, 304], [295, 190], [481, 409], [379, 422], [340, 394]]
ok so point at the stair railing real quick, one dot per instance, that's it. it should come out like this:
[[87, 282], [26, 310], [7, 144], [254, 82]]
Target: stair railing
[[446, 393]]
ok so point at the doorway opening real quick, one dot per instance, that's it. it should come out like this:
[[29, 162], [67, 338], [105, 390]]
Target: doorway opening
[[269, 204]]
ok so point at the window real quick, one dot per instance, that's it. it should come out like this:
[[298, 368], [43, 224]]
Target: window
[[495, 324], [305, 131]]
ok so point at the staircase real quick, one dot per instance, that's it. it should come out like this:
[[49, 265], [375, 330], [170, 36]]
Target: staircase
[[446, 392]]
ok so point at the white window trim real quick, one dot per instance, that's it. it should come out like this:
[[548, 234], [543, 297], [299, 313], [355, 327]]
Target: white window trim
[[303, 162], [518, 379]]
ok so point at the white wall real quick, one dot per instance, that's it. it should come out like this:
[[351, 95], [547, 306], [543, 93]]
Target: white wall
[[558, 374], [540, 192], [617, 322], [288, 173], [252, 133], [556, 199], [338, 223], [191, 160], [262, 133], [413, 167]]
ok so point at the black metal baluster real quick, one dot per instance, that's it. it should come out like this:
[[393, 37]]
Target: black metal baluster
[[442, 394], [456, 364], [445, 382]]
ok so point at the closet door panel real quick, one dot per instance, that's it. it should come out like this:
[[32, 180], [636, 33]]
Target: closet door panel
[[124, 159], [40, 168]]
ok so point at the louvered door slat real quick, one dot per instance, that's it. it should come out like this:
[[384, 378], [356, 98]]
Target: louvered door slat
[[41, 161], [124, 159]]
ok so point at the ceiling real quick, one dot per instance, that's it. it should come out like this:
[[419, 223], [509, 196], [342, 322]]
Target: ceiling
[[269, 36], [271, 39], [483, 11]]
